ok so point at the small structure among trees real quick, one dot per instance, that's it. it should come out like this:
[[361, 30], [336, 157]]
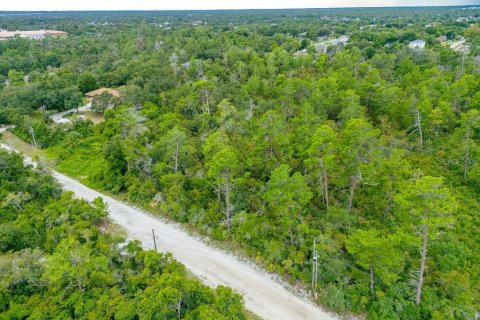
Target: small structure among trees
[[418, 44], [102, 98], [94, 93]]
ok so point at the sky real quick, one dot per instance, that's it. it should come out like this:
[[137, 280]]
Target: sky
[[52, 5]]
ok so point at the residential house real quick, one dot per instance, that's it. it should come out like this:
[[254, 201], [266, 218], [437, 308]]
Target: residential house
[[90, 95], [417, 44]]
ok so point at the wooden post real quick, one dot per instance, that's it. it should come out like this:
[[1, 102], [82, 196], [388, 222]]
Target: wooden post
[[314, 269], [313, 266], [154, 240]]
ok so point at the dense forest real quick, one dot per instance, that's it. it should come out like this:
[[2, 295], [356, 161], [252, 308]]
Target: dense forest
[[237, 124], [59, 260]]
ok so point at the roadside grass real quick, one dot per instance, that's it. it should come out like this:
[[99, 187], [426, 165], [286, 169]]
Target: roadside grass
[[82, 162], [38, 155], [251, 316]]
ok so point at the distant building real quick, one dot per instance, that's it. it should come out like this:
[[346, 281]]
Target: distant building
[[34, 35], [300, 53], [31, 34], [92, 94], [64, 121], [460, 46], [323, 44], [417, 44], [371, 26], [343, 39], [442, 38], [321, 47], [5, 35]]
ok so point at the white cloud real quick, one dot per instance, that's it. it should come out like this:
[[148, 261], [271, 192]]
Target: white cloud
[[48, 5]]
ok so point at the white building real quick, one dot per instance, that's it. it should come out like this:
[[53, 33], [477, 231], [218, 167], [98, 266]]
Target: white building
[[460, 46], [64, 121], [343, 39], [33, 35], [323, 45], [5, 35], [417, 44], [30, 34]]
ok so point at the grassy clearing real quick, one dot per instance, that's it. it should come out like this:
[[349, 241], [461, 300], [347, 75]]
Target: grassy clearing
[[82, 162]]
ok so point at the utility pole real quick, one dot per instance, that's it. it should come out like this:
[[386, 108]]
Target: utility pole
[[154, 240], [33, 137], [314, 269]]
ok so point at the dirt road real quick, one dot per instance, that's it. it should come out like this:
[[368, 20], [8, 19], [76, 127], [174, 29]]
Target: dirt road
[[59, 117], [262, 294]]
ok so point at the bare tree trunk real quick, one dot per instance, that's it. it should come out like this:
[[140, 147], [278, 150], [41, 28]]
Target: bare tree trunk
[[179, 309], [372, 281], [419, 126], [207, 110], [177, 151], [218, 189], [323, 182], [467, 155], [250, 110], [228, 209], [355, 181], [388, 207], [270, 147], [422, 265], [291, 236]]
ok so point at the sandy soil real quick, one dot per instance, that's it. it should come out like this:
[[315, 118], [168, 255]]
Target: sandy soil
[[263, 295]]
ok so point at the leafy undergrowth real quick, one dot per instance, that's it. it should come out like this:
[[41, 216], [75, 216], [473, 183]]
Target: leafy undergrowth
[[79, 163], [58, 262], [83, 161], [18, 144]]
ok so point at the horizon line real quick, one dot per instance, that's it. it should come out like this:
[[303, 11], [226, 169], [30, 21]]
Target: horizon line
[[249, 9]]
